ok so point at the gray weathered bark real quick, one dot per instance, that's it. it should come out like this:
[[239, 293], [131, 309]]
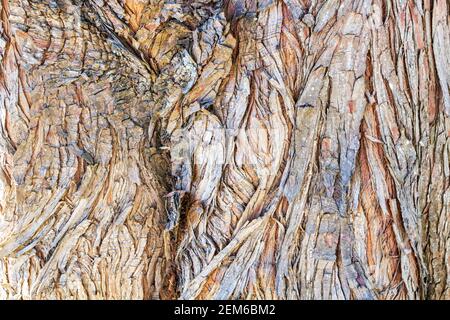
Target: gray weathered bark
[[253, 149]]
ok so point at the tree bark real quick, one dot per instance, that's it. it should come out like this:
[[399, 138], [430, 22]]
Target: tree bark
[[235, 149]]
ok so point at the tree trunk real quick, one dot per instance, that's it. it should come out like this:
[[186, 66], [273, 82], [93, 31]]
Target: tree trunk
[[208, 149]]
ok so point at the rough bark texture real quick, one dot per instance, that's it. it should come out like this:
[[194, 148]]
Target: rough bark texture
[[199, 149]]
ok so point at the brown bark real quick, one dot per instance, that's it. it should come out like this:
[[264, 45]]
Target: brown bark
[[252, 149]]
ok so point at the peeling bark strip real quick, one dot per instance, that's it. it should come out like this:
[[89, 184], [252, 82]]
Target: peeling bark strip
[[235, 149]]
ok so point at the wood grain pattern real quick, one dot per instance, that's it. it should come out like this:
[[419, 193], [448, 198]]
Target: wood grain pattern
[[235, 149]]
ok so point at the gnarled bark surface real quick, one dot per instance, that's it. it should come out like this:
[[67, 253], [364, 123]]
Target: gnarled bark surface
[[252, 149]]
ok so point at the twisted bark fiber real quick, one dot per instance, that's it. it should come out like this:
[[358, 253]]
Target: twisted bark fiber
[[251, 149]]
